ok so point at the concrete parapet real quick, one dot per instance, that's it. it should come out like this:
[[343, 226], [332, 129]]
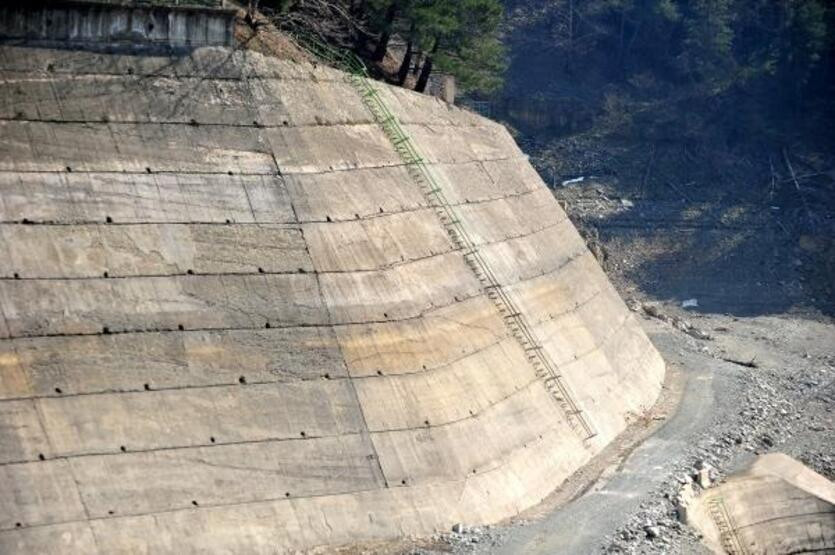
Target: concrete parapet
[[82, 23]]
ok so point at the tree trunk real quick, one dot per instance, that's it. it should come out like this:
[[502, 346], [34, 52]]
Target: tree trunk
[[383, 44], [407, 61], [426, 70]]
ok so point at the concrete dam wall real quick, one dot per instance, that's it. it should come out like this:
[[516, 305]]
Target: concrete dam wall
[[232, 321]]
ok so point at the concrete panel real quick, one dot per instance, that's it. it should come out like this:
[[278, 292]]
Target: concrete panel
[[400, 292], [530, 256], [180, 418], [199, 63], [130, 99], [413, 109], [471, 182], [421, 344], [42, 492], [455, 145], [330, 148], [21, 434], [432, 454], [45, 366], [500, 219], [440, 396], [142, 198], [49, 307], [145, 250], [776, 505], [141, 483], [353, 195], [74, 537], [377, 242], [294, 103], [40, 146]]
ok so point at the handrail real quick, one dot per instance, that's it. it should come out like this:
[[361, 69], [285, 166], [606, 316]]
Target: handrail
[[544, 367]]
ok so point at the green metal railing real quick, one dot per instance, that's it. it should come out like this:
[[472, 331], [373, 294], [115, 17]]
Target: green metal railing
[[422, 176]]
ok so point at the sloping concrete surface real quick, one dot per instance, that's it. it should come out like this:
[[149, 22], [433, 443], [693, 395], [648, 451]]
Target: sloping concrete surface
[[777, 505], [231, 322]]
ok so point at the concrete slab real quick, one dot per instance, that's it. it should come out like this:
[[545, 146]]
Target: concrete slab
[[49, 251], [104, 423], [48, 366], [35, 307], [142, 198]]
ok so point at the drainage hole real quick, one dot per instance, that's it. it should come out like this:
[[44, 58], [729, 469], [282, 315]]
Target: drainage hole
[[327, 376], [267, 325], [147, 387], [287, 494], [41, 457], [260, 270], [105, 330], [16, 275], [242, 379], [190, 272], [181, 327], [194, 502], [379, 372], [17, 524], [426, 422], [58, 390], [148, 170], [304, 434], [403, 482], [108, 220], [106, 275], [69, 169], [212, 439]]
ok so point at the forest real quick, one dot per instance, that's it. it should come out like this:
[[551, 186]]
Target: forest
[[719, 95]]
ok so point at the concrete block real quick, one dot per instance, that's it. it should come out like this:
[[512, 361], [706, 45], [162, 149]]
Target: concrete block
[[50, 307], [21, 433], [46, 251], [143, 198], [41, 146], [349, 195], [38, 493], [103, 423], [141, 483], [47, 366]]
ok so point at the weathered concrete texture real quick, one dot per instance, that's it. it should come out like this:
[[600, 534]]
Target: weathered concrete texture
[[232, 322], [78, 22], [777, 505]]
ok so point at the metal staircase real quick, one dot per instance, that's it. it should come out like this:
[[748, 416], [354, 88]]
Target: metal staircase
[[545, 369]]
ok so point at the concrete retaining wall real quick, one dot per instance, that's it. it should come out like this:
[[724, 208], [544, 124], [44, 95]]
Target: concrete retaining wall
[[82, 23], [232, 323]]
